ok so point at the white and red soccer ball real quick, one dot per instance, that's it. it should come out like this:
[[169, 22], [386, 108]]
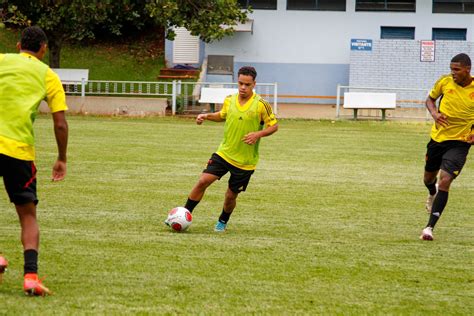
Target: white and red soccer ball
[[179, 219]]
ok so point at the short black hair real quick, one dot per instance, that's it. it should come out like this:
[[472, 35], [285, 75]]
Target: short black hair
[[248, 71], [32, 38], [462, 58]]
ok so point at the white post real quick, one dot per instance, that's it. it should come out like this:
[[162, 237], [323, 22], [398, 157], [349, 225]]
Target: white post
[[173, 99], [83, 87], [275, 99], [338, 100]]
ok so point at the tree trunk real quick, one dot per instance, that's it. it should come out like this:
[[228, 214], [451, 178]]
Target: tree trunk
[[54, 43]]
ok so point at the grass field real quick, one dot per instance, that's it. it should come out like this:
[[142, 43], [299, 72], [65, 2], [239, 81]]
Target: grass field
[[329, 225], [106, 61]]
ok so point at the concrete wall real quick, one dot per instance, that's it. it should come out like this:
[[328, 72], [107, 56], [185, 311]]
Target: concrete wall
[[308, 52], [114, 106]]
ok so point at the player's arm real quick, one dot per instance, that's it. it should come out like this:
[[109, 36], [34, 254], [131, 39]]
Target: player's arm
[[61, 131], [270, 121], [430, 103], [215, 117], [438, 117], [56, 99]]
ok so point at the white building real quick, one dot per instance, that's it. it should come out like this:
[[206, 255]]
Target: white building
[[305, 45]]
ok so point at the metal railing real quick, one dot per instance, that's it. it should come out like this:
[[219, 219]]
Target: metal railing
[[183, 96]]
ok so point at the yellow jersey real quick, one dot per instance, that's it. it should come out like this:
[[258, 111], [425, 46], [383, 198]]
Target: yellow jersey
[[241, 119], [457, 103], [24, 82]]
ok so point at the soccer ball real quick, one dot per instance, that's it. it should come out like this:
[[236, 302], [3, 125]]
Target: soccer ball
[[179, 219]]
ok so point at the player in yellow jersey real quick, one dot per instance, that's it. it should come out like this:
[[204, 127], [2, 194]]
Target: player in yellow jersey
[[247, 118], [24, 82], [451, 135]]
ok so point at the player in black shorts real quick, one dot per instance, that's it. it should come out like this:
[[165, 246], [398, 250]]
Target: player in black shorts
[[451, 136]]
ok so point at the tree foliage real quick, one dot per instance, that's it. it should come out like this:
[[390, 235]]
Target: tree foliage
[[78, 20]]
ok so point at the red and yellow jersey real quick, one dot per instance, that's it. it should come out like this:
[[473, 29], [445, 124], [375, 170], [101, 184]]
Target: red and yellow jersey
[[255, 115], [457, 103], [24, 82]]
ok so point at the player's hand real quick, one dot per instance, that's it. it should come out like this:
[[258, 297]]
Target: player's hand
[[470, 139], [200, 118], [59, 170], [251, 138], [440, 119]]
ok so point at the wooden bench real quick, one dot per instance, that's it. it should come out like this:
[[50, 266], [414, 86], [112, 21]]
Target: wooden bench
[[215, 96], [370, 100], [74, 77]]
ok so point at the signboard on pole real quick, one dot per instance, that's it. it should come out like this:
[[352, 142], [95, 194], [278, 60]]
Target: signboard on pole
[[427, 51]]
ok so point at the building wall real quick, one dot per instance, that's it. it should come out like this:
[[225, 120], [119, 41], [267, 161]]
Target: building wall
[[308, 52], [397, 63]]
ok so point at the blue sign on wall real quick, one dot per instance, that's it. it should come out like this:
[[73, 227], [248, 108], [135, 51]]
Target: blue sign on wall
[[361, 44]]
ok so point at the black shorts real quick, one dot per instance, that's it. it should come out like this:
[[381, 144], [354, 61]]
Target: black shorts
[[19, 177], [449, 156], [239, 178]]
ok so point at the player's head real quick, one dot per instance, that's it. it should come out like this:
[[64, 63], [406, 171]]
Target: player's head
[[461, 69], [248, 71], [462, 58], [246, 81], [33, 39]]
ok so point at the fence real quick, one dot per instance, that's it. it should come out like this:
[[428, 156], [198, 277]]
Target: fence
[[183, 96], [410, 101]]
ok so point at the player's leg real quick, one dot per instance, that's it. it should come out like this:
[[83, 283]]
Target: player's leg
[[433, 159], [451, 166], [238, 182], [20, 183], [215, 169]]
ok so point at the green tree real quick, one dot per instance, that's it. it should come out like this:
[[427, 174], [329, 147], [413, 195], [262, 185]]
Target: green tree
[[77, 20]]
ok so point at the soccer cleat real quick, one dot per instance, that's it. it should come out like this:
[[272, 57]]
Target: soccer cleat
[[427, 234], [220, 227], [167, 223], [430, 200], [33, 286], [3, 267]]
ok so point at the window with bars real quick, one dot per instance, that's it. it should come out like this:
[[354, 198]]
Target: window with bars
[[453, 6], [323, 5], [397, 32], [259, 4], [386, 5], [449, 34]]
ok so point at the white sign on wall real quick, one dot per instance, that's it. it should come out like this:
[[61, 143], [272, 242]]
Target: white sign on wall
[[427, 51]]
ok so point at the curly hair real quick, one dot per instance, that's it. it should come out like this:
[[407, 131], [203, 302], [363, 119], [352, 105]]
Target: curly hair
[[248, 71]]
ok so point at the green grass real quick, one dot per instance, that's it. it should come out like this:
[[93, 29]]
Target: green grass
[[135, 61], [329, 225]]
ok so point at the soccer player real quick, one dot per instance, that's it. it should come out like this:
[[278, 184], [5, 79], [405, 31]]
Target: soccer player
[[247, 118], [24, 82], [451, 135]]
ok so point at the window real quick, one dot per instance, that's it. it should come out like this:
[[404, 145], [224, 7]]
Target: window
[[323, 5], [386, 5], [394, 32], [453, 6], [449, 34], [259, 4]]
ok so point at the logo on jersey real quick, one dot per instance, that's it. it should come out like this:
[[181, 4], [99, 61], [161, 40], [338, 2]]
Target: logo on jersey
[[472, 95]]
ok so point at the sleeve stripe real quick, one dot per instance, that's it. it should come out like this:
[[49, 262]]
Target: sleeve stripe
[[267, 106]]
